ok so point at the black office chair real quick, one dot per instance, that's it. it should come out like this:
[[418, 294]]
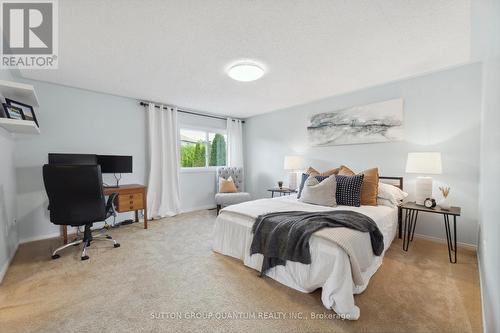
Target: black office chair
[[76, 198]]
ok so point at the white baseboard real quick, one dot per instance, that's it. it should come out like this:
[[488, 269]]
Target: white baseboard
[[41, 237], [5, 266], [443, 241], [58, 233], [194, 209], [481, 285]]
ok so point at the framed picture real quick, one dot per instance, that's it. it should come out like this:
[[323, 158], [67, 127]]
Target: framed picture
[[13, 112], [27, 110], [376, 122]]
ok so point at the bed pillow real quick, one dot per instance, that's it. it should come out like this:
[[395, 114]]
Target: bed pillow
[[391, 193], [313, 172], [303, 181], [369, 189], [227, 185], [349, 190], [320, 193], [385, 202]]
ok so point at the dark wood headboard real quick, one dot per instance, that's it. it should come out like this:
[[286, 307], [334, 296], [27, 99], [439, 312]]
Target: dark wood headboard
[[396, 181]]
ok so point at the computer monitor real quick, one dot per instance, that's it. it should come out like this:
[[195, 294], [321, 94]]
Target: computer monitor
[[72, 159], [115, 163]]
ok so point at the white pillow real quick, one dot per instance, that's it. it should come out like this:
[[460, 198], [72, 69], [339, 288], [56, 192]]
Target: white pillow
[[385, 202], [391, 193], [317, 193]]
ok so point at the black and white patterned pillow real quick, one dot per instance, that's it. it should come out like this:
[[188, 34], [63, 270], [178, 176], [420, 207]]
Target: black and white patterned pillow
[[349, 190], [303, 181]]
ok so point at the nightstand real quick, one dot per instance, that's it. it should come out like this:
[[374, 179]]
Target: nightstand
[[281, 191], [410, 213]]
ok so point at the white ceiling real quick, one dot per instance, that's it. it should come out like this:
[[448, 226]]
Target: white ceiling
[[176, 51]]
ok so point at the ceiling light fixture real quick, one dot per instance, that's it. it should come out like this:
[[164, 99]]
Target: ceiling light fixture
[[245, 71]]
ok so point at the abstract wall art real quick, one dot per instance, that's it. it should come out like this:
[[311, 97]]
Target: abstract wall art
[[377, 122]]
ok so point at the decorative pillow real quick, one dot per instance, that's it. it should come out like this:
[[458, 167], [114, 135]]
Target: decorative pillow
[[320, 193], [369, 189], [345, 171], [303, 181], [391, 193], [349, 190], [227, 185], [313, 172]]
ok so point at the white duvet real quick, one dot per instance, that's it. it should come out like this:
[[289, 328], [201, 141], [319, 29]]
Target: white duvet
[[330, 268]]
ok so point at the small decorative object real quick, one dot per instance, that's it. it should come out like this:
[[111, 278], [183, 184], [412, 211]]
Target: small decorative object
[[430, 203], [280, 184], [423, 163], [444, 204], [13, 112], [27, 110], [377, 122]]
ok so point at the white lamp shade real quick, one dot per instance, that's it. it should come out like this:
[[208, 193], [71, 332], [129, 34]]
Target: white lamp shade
[[294, 163], [424, 163]]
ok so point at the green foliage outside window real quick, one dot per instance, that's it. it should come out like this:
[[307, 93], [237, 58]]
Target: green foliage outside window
[[199, 154], [218, 151], [187, 156], [194, 155]]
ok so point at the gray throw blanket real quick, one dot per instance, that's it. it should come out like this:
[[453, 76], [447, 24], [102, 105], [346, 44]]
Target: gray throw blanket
[[283, 236]]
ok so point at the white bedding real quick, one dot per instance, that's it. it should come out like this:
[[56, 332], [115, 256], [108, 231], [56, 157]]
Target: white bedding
[[330, 267]]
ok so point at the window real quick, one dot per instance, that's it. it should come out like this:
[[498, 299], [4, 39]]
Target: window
[[202, 148]]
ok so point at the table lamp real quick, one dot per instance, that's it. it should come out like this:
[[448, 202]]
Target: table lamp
[[293, 164], [423, 163]]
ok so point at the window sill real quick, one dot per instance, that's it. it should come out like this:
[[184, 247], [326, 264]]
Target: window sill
[[198, 170]]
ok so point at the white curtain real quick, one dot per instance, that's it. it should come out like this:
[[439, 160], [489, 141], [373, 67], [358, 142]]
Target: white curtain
[[235, 142], [163, 180]]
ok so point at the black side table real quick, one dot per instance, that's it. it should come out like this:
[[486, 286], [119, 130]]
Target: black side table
[[411, 210], [282, 191]]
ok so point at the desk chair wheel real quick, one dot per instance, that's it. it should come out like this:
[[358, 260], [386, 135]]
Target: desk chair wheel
[[55, 256], [117, 245], [109, 237], [85, 257]]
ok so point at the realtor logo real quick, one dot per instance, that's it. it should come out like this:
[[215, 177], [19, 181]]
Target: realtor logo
[[30, 34]]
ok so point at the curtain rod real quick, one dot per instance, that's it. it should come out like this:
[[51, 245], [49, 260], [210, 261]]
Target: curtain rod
[[190, 112]]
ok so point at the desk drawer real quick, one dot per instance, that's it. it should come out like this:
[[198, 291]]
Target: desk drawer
[[128, 202]]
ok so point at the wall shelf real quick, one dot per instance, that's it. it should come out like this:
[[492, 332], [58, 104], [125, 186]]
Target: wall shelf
[[19, 126], [20, 92], [25, 94]]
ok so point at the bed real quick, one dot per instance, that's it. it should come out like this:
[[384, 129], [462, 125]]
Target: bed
[[330, 267]]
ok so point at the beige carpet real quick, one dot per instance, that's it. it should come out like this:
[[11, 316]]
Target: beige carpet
[[170, 270]]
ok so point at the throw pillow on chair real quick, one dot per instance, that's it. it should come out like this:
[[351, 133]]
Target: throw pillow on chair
[[227, 185]]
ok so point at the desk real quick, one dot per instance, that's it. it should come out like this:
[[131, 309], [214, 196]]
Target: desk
[[131, 197]]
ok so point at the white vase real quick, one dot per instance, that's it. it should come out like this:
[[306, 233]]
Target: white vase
[[445, 204]]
